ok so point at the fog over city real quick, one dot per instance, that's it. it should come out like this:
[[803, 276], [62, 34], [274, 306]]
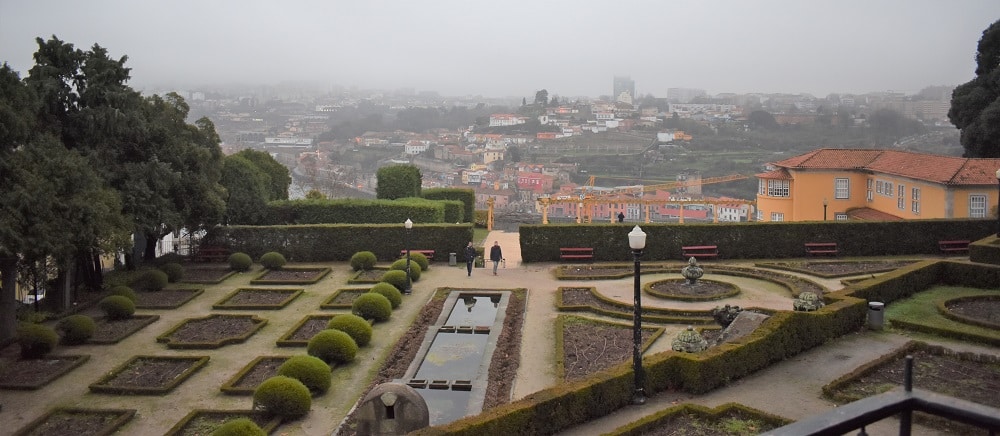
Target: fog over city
[[513, 48]]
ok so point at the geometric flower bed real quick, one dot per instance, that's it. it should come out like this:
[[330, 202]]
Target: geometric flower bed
[[979, 310], [28, 374], [165, 298], [300, 334], [149, 375], [343, 298], [205, 421], [78, 421], [290, 276], [212, 331], [368, 276], [729, 418], [207, 275], [586, 299], [252, 375], [578, 355], [113, 331], [681, 290], [838, 268], [257, 299]]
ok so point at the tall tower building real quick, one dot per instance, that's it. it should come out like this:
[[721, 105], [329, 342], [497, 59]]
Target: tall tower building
[[624, 89]]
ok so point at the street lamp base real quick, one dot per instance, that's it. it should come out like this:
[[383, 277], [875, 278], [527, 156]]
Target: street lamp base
[[407, 291], [638, 397]]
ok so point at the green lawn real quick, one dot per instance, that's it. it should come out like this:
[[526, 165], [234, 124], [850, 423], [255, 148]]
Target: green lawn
[[922, 309]]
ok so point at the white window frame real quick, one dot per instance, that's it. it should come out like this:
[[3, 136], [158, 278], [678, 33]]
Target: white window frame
[[777, 216], [888, 189], [915, 201], [871, 184], [842, 188], [840, 216], [777, 188], [977, 206], [762, 187]]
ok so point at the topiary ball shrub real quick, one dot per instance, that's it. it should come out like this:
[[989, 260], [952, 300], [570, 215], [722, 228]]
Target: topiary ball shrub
[[310, 370], [124, 291], [239, 427], [363, 260], [76, 329], [117, 307], [36, 340], [420, 259], [174, 271], [395, 278], [389, 291], [401, 266], [150, 280], [272, 260], [332, 346], [240, 262], [372, 306], [283, 396], [355, 326]]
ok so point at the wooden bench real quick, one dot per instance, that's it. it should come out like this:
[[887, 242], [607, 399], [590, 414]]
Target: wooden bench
[[576, 253], [817, 248], [700, 251], [211, 253], [954, 246], [429, 254]]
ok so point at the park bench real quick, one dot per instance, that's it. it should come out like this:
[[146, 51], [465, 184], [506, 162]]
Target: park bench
[[576, 253], [429, 254], [211, 253], [817, 248], [700, 251], [954, 246]]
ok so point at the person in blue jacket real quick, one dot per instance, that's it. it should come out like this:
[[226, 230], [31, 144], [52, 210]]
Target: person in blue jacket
[[496, 255]]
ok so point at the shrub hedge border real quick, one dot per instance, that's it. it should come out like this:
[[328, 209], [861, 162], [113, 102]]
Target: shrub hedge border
[[194, 293], [783, 335], [229, 387], [649, 314], [101, 386], [948, 313], [651, 422], [292, 295], [563, 319], [77, 361], [786, 267], [178, 429], [321, 272], [285, 339], [165, 337], [148, 319], [328, 304], [732, 292], [356, 280], [121, 417]]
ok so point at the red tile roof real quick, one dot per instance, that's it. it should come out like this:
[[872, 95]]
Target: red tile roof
[[947, 170], [780, 174], [868, 214]]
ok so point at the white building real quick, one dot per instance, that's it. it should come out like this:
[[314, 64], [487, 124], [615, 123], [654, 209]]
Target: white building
[[501, 120]]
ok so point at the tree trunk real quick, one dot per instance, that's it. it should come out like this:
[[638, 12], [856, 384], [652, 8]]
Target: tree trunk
[[8, 299], [150, 253]]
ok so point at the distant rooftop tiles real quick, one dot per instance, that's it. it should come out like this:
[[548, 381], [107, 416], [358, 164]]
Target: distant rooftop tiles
[[948, 170]]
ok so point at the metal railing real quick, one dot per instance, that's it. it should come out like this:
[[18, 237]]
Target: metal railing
[[901, 402]]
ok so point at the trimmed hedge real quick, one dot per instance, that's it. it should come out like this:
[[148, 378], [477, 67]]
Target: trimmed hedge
[[466, 196], [272, 260], [354, 211], [332, 346], [239, 427], [389, 291], [400, 265], [283, 396], [355, 326], [174, 271], [150, 280], [117, 307], [310, 370], [395, 278], [372, 306], [36, 340], [363, 260], [240, 261], [76, 329]]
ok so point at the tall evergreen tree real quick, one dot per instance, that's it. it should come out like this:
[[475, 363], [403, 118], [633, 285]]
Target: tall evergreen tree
[[975, 105]]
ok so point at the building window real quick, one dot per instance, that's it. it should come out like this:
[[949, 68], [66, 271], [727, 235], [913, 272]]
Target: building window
[[879, 187], [870, 197], [977, 206], [762, 187], [901, 201], [842, 189], [777, 188], [840, 216], [915, 201], [871, 185], [888, 189], [777, 216]]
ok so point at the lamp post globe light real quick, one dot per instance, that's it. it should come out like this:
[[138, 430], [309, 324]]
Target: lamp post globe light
[[637, 241], [409, 284]]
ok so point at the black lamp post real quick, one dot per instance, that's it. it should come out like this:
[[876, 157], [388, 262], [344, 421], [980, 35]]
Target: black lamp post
[[637, 241], [409, 284], [824, 209]]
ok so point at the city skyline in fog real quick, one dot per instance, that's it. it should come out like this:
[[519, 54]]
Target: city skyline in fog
[[569, 48]]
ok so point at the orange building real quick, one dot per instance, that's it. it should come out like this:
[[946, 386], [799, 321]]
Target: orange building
[[877, 185]]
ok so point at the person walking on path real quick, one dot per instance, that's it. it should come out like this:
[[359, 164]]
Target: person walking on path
[[621, 217], [496, 255], [470, 256]]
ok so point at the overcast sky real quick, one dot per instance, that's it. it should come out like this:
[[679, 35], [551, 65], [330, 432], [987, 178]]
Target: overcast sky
[[516, 47]]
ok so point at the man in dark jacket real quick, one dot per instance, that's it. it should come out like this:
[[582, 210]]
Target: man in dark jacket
[[496, 255], [470, 256]]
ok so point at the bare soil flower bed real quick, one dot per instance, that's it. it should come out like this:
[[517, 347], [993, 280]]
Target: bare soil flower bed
[[212, 331], [689, 424], [592, 347], [263, 369], [16, 373], [258, 298], [77, 422], [206, 274], [165, 298], [110, 331], [305, 331], [703, 289], [981, 309], [292, 275]]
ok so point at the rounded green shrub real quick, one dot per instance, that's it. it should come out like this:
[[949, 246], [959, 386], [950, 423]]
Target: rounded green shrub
[[310, 370], [124, 291], [76, 329], [414, 268], [240, 262], [283, 396], [355, 326], [389, 291], [36, 340], [372, 306], [420, 259], [332, 346], [117, 307], [174, 271], [272, 260], [239, 427], [363, 260], [396, 278], [149, 280]]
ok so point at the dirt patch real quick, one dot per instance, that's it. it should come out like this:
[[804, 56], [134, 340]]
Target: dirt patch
[[212, 332], [687, 424], [149, 373], [592, 347], [290, 275], [112, 331], [703, 289], [18, 373], [164, 299], [308, 329], [985, 310], [206, 274], [258, 297], [77, 422], [263, 370]]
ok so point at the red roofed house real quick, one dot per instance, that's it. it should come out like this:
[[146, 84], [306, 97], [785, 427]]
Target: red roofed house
[[877, 185]]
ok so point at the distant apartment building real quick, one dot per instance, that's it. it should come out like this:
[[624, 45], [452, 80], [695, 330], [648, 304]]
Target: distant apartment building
[[684, 95], [502, 120], [876, 185], [623, 89]]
